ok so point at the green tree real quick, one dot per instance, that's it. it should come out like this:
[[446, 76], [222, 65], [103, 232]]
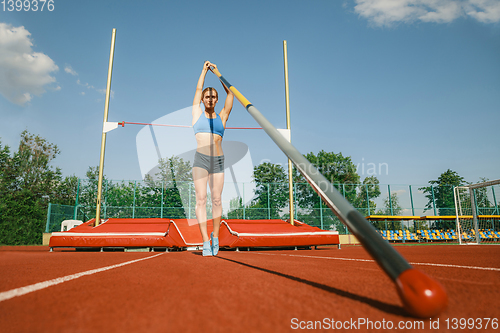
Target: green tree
[[440, 196], [341, 172], [271, 193], [66, 191], [440, 191], [338, 169], [483, 204], [126, 199], [393, 208], [87, 198], [370, 189], [175, 180], [117, 197], [4, 160], [235, 208], [28, 183]]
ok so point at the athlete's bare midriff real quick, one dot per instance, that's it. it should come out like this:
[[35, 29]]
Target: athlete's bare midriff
[[209, 144]]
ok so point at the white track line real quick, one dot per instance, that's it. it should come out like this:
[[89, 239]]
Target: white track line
[[368, 260], [42, 285], [456, 266]]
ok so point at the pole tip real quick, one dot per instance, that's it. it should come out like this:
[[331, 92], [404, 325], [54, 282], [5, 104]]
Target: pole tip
[[422, 296]]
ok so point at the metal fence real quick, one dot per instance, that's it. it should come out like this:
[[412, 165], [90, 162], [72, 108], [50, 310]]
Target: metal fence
[[143, 199]]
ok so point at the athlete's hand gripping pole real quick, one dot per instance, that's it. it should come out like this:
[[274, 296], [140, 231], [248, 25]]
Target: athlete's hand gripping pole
[[421, 295]]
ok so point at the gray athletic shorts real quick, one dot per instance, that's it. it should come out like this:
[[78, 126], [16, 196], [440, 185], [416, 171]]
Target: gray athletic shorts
[[213, 164]]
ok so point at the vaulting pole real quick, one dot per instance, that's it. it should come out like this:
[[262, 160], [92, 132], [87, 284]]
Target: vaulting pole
[[290, 168], [103, 138], [421, 295]]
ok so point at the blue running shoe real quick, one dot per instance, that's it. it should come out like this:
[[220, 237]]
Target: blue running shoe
[[215, 244], [207, 249]]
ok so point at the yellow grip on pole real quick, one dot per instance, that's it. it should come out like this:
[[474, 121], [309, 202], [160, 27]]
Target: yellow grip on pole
[[245, 102]]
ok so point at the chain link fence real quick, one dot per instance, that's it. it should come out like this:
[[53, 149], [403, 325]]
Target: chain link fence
[[176, 200]]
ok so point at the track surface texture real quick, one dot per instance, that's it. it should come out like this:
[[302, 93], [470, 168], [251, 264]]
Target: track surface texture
[[246, 291]]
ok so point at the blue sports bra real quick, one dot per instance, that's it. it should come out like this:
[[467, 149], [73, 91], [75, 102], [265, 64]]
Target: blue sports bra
[[209, 125]]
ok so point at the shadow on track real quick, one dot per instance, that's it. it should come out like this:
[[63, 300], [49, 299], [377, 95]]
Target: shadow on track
[[385, 307]]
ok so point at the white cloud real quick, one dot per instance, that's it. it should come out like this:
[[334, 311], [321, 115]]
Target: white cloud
[[103, 91], [84, 84], [486, 11], [23, 72], [399, 192], [68, 69], [100, 91], [441, 11], [388, 12]]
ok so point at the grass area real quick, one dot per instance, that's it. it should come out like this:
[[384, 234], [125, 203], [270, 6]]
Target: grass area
[[24, 248]]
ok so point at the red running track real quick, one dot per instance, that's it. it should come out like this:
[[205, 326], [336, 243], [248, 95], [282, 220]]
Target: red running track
[[256, 291]]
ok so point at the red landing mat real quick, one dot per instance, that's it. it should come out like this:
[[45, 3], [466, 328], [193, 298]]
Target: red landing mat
[[273, 233], [182, 233]]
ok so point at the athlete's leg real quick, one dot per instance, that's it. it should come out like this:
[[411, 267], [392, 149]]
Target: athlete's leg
[[216, 183], [200, 179]]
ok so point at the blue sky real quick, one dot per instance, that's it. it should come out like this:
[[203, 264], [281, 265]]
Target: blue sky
[[410, 86]]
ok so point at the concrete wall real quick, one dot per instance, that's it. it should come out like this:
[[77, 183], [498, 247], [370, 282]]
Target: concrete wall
[[348, 239], [46, 238]]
